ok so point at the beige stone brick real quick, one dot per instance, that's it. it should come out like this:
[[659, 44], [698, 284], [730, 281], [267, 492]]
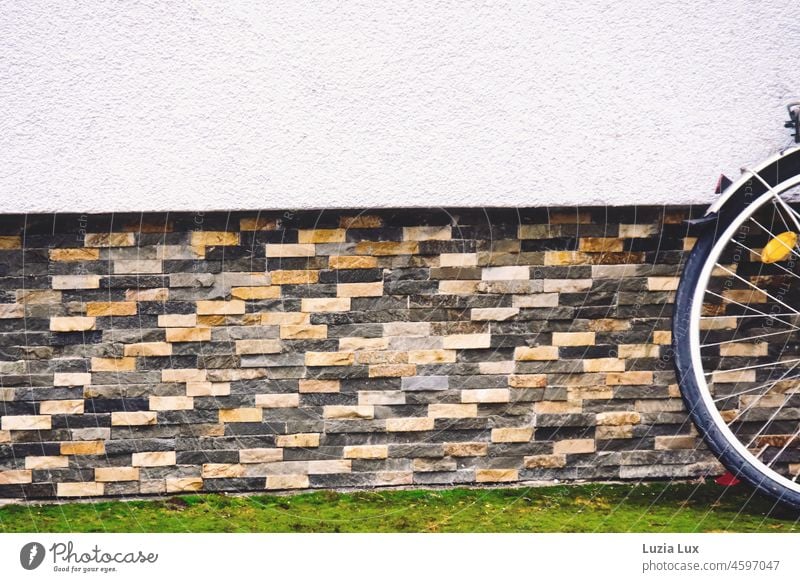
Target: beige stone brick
[[510, 273], [600, 245], [177, 320], [285, 318], [452, 410], [538, 353], [458, 287], [153, 459], [744, 350], [557, 407], [616, 418], [383, 248], [304, 331], [609, 432], [512, 434], [360, 289], [381, 397], [148, 349], [300, 440], [636, 351], [110, 308], [604, 365], [567, 338], [662, 337], [258, 346], [183, 375], [33, 297], [83, 489], [589, 393], [109, 239], [263, 455], [158, 294], [633, 378], [496, 475], [310, 386], [527, 381], [458, 259], [637, 230], [16, 477], [485, 395], [258, 223], [25, 422], [574, 446], [10, 242], [232, 307], [187, 334], [325, 304], [241, 415], [208, 388], [109, 474], [133, 418], [471, 341], [732, 377], [409, 424], [366, 452], [662, 283], [466, 449], [350, 344], [322, 235], [214, 238], [255, 293], [277, 400], [76, 281], [545, 461], [61, 407], [427, 232], [494, 313], [83, 448], [299, 277], [279, 482], [222, 470], [72, 323], [171, 403], [152, 486], [567, 285], [352, 262], [329, 358], [341, 411], [537, 300], [608, 324], [183, 484], [670, 442], [392, 370], [5, 436], [73, 255], [290, 250], [113, 364], [138, 267], [431, 356], [47, 462]]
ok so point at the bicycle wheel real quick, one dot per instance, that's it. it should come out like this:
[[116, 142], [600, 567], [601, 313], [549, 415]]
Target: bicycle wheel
[[736, 331]]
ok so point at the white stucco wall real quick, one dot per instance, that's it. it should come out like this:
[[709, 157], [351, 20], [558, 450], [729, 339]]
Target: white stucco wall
[[242, 105]]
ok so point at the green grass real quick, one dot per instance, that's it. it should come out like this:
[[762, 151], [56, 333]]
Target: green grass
[[658, 507]]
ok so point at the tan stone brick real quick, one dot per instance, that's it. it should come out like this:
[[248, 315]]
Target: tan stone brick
[[232, 307], [545, 461], [662, 283], [360, 289], [382, 248], [409, 424], [723, 377], [670, 442], [72, 255], [153, 459], [458, 287], [574, 446], [48, 462], [496, 475], [183, 375], [392, 370], [109, 308], [183, 484], [471, 341], [310, 386], [352, 262], [744, 350], [72, 323], [557, 407], [5, 436], [427, 232], [133, 418], [258, 346], [636, 351], [299, 277], [158, 294], [110, 474], [485, 395], [600, 245], [508, 273], [258, 223], [113, 364], [512, 434], [214, 238], [304, 331], [263, 455], [607, 324], [26, 422], [290, 250], [10, 242], [634, 378], [300, 440], [61, 407], [208, 388], [609, 432], [538, 353], [637, 230], [83, 448], [268, 292], [329, 358], [567, 338], [325, 304], [589, 393], [604, 365], [177, 320], [285, 318], [662, 337], [222, 470], [452, 410], [527, 381], [187, 334], [148, 349], [322, 235], [458, 259], [567, 285], [83, 489], [360, 221], [33, 297], [287, 482], [138, 267], [76, 281], [494, 313], [15, 477], [277, 400], [466, 449], [431, 356], [349, 344], [341, 411], [366, 452], [537, 300], [171, 403], [109, 239], [616, 418], [241, 415]]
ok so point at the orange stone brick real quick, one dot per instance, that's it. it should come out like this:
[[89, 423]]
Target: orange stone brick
[[103, 309]]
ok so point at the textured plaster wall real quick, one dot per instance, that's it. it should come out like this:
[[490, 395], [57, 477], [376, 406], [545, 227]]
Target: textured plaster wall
[[234, 105]]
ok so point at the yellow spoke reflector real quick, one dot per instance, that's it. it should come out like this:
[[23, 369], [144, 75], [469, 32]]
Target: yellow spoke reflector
[[779, 247]]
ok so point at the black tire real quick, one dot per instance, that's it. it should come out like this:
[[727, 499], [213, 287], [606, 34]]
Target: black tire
[[740, 466]]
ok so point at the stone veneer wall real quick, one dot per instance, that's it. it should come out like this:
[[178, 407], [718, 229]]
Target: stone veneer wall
[[288, 350]]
